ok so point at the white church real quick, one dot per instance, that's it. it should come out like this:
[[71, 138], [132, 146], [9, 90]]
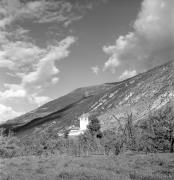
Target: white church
[[76, 131], [84, 121]]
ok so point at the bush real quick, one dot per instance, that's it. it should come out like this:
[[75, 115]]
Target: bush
[[158, 129], [154, 134], [94, 126], [10, 145]]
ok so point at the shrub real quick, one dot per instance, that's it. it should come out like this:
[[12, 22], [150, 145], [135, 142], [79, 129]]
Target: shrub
[[159, 129], [10, 145], [94, 126]]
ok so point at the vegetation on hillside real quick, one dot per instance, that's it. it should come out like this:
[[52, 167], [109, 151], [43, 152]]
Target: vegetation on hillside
[[154, 134], [133, 152]]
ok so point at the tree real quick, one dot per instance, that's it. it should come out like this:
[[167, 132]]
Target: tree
[[94, 127], [111, 142], [162, 128], [10, 145]]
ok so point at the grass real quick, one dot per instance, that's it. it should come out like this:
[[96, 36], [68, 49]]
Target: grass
[[125, 166]]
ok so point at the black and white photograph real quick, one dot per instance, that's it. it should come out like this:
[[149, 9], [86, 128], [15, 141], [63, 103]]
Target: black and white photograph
[[86, 89]]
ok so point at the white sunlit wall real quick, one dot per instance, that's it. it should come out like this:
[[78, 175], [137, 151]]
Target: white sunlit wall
[[84, 122]]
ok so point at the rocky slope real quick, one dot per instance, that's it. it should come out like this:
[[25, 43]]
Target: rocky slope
[[147, 91]]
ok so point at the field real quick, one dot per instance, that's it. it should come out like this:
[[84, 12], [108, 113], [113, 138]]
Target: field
[[127, 166]]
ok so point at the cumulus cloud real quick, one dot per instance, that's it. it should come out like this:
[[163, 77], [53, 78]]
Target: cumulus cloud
[[7, 113], [34, 66], [152, 41], [19, 56], [42, 74], [13, 91], [46, 67], [95, 69]]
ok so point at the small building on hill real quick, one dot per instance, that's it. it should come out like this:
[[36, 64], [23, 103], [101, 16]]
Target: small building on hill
[[83, 122]]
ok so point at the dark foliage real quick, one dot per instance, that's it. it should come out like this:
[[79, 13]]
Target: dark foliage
[[94, 126]]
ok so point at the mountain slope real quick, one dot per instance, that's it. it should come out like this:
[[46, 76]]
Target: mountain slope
[[147, 91]]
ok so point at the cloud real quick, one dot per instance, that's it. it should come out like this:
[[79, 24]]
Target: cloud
[[17, 91], [39, 100], [19, 56], [42, 11], [7, 113], [6, 64], [54, 80], [23, 57], [127, 74], [37, 72], [95, 69], [16, 10], [66, 12], [152, 41], [58, 15], [46, 68], [13, 91]]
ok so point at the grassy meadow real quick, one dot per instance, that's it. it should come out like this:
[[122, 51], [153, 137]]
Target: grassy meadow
[[125, 166]]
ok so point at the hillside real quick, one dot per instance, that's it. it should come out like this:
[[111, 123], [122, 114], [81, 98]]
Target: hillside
[[147, 91]]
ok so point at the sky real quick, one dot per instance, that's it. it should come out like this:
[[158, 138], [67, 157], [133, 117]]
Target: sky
[[51, 47]]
